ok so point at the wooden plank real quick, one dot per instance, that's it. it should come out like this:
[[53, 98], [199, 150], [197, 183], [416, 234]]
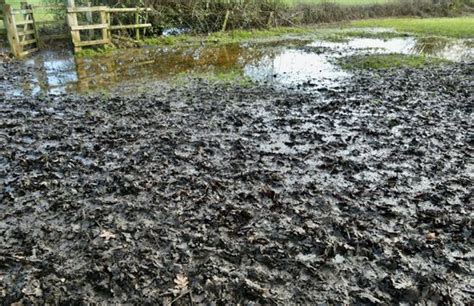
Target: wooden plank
[[105, 19], [28, 42], [87, 9], [27, 52], [49, 22], [50, 6], [92, 43], [55, 36], [130, 26], [27, 16], [26, 33], [128, 10], [226, 19], [22, 12], [89, 27], [35, 27], [72, 22], [12, 31], [23, 22], [137, 21]]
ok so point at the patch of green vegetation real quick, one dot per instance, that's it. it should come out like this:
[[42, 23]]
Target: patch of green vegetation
[[91, 52], [226, 37], [459, 27], [226, 77], [229, 77], [385, 61], [372, 34], [345, 35], [184, 39], [341, 2]]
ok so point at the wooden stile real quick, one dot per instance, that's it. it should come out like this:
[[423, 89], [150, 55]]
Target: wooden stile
[[23, 30], [22, 41]]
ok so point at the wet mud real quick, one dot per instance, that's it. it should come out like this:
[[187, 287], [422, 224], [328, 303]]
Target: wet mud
[[360, 193]]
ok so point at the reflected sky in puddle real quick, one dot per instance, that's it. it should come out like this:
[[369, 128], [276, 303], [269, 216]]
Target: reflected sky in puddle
[[287, 63], [295, 67], [432, 46]]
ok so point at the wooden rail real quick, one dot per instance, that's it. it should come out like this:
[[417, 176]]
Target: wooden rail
[[138, 19]]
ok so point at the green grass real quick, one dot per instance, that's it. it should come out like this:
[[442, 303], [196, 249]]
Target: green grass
[[460, 27], [385, 61], [226, 37], [341, 2], [232, 76], [93, 52], [344, 35]]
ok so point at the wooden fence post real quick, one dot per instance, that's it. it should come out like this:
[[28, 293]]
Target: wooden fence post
[[35, 26], [12, 32], [137, 21], [72, 21], [270, 19], [226, 19], [24, 6], [105, 31]]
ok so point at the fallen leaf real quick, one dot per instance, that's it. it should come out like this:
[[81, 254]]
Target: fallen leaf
[[107, 235], [431, 236], [181, 282]]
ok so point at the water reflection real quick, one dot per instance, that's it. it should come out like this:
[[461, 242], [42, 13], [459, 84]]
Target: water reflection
[[294, 67], [445, 48], [281, 63]]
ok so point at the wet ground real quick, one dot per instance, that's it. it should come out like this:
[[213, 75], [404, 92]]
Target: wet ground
[[291, 62], [356, 193]]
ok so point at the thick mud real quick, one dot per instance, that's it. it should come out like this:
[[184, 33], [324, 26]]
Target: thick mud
[[357, 194]]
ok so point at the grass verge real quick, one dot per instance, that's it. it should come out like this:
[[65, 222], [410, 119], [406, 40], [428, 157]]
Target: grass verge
[[340, 2], [92, 52], [459, 27], [385, 61], [227, 37]]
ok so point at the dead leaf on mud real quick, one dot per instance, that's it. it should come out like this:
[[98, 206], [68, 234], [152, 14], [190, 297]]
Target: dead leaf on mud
[[181, 285], [181, 282], [107, 235]]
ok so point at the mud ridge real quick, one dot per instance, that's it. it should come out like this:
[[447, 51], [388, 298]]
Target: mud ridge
[[360, 194]]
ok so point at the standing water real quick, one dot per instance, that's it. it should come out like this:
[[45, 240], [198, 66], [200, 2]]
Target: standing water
[[287, 63]]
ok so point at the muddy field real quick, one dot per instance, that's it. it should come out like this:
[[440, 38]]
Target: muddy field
[[360, 193]]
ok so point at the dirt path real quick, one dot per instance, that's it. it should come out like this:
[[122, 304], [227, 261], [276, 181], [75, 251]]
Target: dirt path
[[238, 195]]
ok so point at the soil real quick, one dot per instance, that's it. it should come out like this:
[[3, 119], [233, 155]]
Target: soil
[[205, 193]]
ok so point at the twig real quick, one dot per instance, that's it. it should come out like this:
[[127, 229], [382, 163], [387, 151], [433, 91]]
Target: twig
[[179, 297]]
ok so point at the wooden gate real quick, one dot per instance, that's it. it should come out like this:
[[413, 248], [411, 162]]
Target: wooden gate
[[21, 29], [104, 26], [76, 29]]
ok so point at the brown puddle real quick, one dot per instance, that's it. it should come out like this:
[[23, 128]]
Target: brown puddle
[[285, 63]]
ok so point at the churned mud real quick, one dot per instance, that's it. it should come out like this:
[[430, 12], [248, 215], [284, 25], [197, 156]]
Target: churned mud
[[360, 193]]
